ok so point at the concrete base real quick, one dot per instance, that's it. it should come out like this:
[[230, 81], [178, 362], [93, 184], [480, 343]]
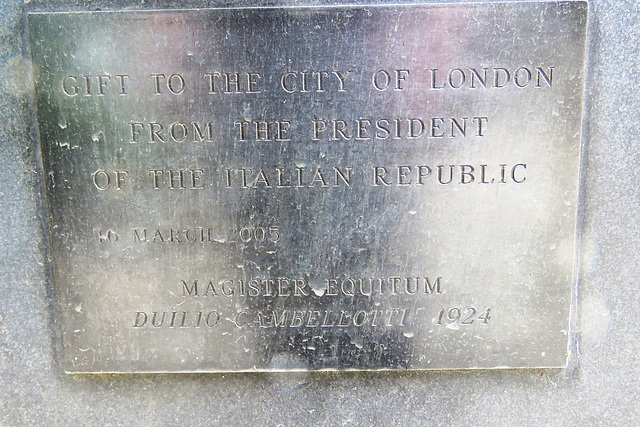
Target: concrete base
[[600, 385]]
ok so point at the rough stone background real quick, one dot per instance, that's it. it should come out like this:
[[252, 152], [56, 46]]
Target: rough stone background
[[601, 385]]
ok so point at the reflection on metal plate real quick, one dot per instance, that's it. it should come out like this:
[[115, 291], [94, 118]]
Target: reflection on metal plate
[[371, 187]]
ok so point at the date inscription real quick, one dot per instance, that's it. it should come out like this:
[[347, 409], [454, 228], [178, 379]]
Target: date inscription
[[464, 317]]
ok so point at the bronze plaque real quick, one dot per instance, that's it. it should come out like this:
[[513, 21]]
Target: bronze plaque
[[312, 188]]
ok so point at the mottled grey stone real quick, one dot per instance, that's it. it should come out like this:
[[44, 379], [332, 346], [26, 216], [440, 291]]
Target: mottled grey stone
[[600, 386]]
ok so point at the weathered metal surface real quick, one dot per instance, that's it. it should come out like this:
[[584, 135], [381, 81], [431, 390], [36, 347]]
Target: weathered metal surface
[[388, 187]]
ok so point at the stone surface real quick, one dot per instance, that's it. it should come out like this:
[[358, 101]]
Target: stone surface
[[599, 387]]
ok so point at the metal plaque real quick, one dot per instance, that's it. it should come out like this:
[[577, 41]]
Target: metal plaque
[[311, 188]]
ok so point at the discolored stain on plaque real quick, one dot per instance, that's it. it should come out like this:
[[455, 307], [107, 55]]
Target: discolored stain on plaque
[[371, 187]]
